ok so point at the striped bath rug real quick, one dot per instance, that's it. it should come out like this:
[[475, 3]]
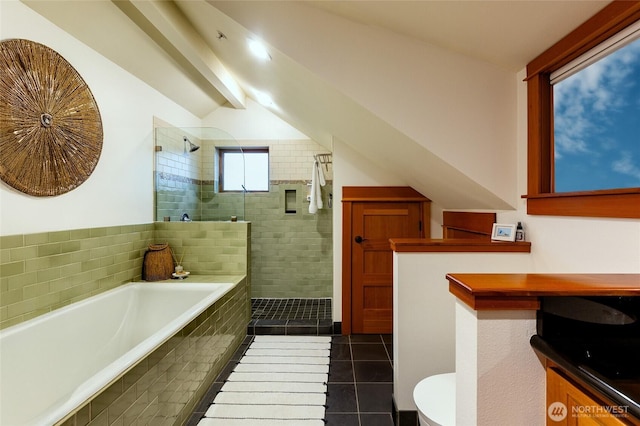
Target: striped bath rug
[[280, 381]]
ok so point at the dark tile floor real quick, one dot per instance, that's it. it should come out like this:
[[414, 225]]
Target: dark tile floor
[[360, 381], [295, 316], [359, 391], [294, 308]]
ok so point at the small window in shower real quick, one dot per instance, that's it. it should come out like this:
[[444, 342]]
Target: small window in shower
[[245, 169]]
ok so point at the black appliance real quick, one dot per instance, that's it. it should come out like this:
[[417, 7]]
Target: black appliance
[[596, 340]]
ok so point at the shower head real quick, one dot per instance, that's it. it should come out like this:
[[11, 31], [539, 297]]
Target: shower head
[[192, 147]]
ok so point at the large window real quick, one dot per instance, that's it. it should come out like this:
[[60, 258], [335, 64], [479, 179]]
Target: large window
[[245, 169], [596, 120], [583, 153]]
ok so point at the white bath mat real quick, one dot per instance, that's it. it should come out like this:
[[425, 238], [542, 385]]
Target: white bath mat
[[293, 339], [281, 381], [289, 352], [290, 346], [251, 367], [282, 412], [287, 360], [271, 398], [274, 387], [280, 376]]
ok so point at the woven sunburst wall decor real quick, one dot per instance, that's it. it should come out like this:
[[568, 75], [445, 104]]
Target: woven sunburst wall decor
[[50, 126]]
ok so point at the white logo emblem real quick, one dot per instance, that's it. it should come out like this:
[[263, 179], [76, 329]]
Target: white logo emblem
[[557, 411]]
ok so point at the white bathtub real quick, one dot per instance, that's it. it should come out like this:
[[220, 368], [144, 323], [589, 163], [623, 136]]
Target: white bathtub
[[52, 365]]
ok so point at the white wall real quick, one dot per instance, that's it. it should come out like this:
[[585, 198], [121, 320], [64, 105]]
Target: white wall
[[350, 169], [559, 245], [254, 122], [120, 190], [499, 378]]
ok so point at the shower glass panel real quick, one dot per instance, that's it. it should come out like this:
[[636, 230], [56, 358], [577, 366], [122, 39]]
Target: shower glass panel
[[186, 175]]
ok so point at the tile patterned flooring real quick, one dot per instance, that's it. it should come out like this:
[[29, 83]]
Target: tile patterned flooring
[[291, 317], [360, 381], [300, 309]]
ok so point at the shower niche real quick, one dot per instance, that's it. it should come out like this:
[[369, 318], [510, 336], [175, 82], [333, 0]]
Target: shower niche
[[186, 175]]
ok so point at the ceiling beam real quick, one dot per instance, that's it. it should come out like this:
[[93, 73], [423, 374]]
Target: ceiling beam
[[169, 23]]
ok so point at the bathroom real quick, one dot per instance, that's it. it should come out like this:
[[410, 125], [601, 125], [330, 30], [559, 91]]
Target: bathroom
[[481, 153]]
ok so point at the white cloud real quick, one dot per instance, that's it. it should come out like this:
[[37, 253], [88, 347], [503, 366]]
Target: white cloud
[[582, 100], [626, 166]]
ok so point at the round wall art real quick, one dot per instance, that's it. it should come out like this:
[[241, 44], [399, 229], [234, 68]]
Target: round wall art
[[50, 126]]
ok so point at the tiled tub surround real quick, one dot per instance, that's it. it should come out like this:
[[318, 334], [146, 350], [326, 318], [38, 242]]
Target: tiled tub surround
[[45, 271], [54, 364], [151, 369]]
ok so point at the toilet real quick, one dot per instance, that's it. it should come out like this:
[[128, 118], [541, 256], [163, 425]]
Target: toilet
[[435, 398]]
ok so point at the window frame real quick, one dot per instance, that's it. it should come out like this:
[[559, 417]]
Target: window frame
[[541, 200], [244, 150]]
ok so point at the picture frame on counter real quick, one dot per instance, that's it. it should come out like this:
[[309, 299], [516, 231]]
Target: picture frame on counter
[[503, 232]]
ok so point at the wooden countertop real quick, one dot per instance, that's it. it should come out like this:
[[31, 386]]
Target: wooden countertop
[[522, 291], [426, 245]]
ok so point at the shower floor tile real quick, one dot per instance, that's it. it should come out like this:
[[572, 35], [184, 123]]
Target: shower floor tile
[[290, 316], [291, 309]]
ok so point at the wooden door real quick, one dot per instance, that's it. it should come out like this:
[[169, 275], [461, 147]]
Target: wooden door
[[373, 224]]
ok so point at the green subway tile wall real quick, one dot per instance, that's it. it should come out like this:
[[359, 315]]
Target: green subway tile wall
[[221, 205], [45, 271], [208, 247], [176, 195], [291, 253]]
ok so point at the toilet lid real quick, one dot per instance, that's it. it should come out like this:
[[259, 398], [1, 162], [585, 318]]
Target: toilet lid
[[435, 398]]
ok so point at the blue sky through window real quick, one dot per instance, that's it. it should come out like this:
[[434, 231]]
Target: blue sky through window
[[597, 124]]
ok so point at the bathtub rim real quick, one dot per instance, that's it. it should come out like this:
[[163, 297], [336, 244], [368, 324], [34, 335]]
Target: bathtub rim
[[97, 383]]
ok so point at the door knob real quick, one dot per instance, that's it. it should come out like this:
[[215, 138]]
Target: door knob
[[358, 239]]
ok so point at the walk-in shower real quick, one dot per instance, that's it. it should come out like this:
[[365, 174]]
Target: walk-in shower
[[291, 250]]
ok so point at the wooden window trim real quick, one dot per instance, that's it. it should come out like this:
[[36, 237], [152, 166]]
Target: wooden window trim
[[541, 200]]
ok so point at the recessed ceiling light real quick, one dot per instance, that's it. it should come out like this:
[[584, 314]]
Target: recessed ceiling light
[[259, 49]]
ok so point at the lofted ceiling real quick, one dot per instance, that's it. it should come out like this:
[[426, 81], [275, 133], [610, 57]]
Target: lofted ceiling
[[507, 33], [145, 37], [193, 52]]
